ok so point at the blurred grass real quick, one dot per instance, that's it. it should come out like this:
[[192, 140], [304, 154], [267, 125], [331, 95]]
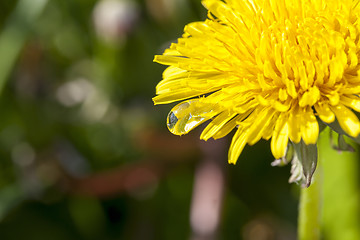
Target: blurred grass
[[15, 32]]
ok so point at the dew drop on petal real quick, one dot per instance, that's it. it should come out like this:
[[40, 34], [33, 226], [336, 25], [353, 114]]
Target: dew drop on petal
[[186, 116]]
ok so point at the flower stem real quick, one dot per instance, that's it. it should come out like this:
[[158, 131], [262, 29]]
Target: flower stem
[[310, 207], [341, 208], [331, 204]]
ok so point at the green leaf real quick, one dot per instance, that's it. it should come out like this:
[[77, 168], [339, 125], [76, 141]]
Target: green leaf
[[307, 156]]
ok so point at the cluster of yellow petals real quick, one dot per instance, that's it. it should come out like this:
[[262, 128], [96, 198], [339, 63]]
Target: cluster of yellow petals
[[270, 68]]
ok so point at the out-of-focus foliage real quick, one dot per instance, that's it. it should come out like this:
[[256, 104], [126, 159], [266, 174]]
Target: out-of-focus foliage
[[83, 152]]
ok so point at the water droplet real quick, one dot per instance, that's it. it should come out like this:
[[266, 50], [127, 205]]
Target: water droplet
[[187, 115], [172, 120]]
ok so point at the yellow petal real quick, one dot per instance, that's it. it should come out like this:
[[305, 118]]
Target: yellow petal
[[268, 132], [237, 145], [309, 126], [324, 112], [310, 97], [281, 107], [280, 137], [174, 72], [294, 122], [259, 125], [347, 119], [351, 101], [177, 95], [216, 125], [227, 128]]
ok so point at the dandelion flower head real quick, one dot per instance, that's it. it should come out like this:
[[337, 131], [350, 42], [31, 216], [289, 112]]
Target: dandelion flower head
[[271, 69]]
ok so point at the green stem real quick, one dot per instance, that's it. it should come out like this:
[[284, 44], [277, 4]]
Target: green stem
[[341, 209], [310, 208], [331, 205]]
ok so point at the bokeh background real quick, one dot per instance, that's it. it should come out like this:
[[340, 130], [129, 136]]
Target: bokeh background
[[85, 155]]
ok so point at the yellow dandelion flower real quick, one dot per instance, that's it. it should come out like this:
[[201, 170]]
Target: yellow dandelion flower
[[272, 69]]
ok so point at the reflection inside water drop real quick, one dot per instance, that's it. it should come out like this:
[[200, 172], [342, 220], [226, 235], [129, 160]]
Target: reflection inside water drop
[[187, 115], [172, 120]]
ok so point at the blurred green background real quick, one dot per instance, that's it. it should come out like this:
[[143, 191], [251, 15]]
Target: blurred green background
[[84, 154]]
